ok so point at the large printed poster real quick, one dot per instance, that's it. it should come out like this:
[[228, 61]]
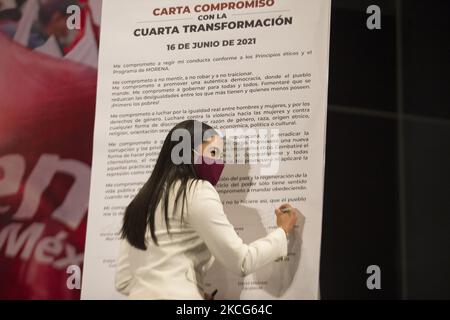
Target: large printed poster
[[257, 69]]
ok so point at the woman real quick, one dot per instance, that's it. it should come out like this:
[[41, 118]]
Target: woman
[[175, 227]]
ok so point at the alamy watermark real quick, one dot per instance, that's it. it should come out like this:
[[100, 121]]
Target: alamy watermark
[[240, 146], [74, 279], [73, 21], [373, 22]]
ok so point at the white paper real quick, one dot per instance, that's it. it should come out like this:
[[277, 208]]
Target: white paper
[[130, 69]]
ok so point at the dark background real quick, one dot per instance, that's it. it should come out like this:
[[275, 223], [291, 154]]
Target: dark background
[[387, 188]]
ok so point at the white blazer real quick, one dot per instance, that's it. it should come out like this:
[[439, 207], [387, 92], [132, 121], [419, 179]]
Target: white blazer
[[175, 269]]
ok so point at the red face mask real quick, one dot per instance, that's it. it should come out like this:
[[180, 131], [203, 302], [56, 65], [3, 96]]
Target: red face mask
[[208, 168]]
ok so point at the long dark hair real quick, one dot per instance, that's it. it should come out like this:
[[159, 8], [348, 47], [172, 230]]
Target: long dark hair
[[140, 213]]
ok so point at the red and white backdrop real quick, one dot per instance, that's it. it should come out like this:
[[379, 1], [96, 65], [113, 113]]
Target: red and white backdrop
[[47, 105]]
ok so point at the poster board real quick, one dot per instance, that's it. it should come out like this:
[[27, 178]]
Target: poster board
[[258, 66]]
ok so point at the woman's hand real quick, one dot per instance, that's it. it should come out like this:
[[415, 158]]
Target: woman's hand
[[286, 217]]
